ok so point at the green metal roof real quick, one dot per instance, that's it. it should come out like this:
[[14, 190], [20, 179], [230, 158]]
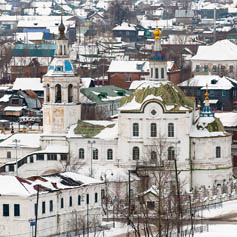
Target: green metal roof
[[104, 94]]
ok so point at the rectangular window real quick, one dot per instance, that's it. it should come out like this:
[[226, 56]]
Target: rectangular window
[[62, 203], [63, 156], [212, 93], [150, 205], [205, 68], [218, 152], [43, 207], [223, 92], [35, 207], [95, 154], [96, 197], [31, 159], [15, 101], [151, 72], [70, 201], [11, 168], [79, 200], [87, 198], [156, 73], [214, 68], [128, 79], [16, 209], [51, 156], [9, 155], [5, 209], [135, 129], [197, 68], [51, 205], [231, 69], [222, 69], [40, 157]]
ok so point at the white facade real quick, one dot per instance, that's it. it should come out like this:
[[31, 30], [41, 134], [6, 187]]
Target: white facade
[[57, 209]]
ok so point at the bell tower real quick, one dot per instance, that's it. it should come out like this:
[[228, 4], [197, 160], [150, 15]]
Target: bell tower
[[158, 61], [61, 107]]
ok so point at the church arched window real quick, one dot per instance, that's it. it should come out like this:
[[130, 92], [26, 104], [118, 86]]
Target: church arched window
[[70, 93], [162, 73], [58, 94], [156, 73], [47, 93]]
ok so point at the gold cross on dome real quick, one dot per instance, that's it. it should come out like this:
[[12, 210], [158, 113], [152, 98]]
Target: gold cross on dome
[[157, 32]]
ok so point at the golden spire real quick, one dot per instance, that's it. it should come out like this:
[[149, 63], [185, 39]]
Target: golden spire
[[206, 94], [157, 32]]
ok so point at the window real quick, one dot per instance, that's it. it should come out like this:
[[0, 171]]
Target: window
[[223, 92], [156, 73], [171, 153], [135, 153], [36, 209], [205, 68], [81, 153], [51, 156], [15, 101], [59, 69], [135, 128], [87, 198], [150, 205], [79, 200], [170, 130], [214, 68], [51, 205], [109, 154], [231, 68], [43, 207], [197, 68], [128, 79], [151, 72], [222, 69], [47, 93], [153, 130], [95, 154], [63, 156], [9, 154], [31, 159], [40, 157], [11, 168], [153, 157], [58, 92], [96, 197], [62, 203], [70, 93], [5, 209], [212, 93], [70, 201], [16, 209], [218, 152], [162, 73]]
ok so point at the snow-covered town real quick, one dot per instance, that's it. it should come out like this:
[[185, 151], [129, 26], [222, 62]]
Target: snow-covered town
[[118, 118]]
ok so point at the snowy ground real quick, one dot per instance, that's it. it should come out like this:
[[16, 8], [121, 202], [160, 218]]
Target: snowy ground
[[218, 230]]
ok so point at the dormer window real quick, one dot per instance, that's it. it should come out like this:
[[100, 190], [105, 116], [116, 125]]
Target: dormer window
[[59, 69]]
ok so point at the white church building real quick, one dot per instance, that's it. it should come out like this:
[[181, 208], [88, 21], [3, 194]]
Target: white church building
[[156, 113]]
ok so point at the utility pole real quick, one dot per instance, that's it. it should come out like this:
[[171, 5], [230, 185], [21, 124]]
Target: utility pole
[[178, 196], [191, 214], [36, 210]]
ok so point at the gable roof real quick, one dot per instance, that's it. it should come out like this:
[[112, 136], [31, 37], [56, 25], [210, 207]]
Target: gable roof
[[223, 50], [34, 84]]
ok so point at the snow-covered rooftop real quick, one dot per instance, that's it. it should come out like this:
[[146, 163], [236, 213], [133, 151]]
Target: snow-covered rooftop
[[222, 50], [128, 66], [214, 82], [228, 119], [28, 140], [15, 186], [34, 84]]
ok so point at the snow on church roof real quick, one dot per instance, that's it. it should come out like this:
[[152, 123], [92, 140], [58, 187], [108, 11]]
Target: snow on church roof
[[169, 95], [219, 51], [101, 129], [208, 127]]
